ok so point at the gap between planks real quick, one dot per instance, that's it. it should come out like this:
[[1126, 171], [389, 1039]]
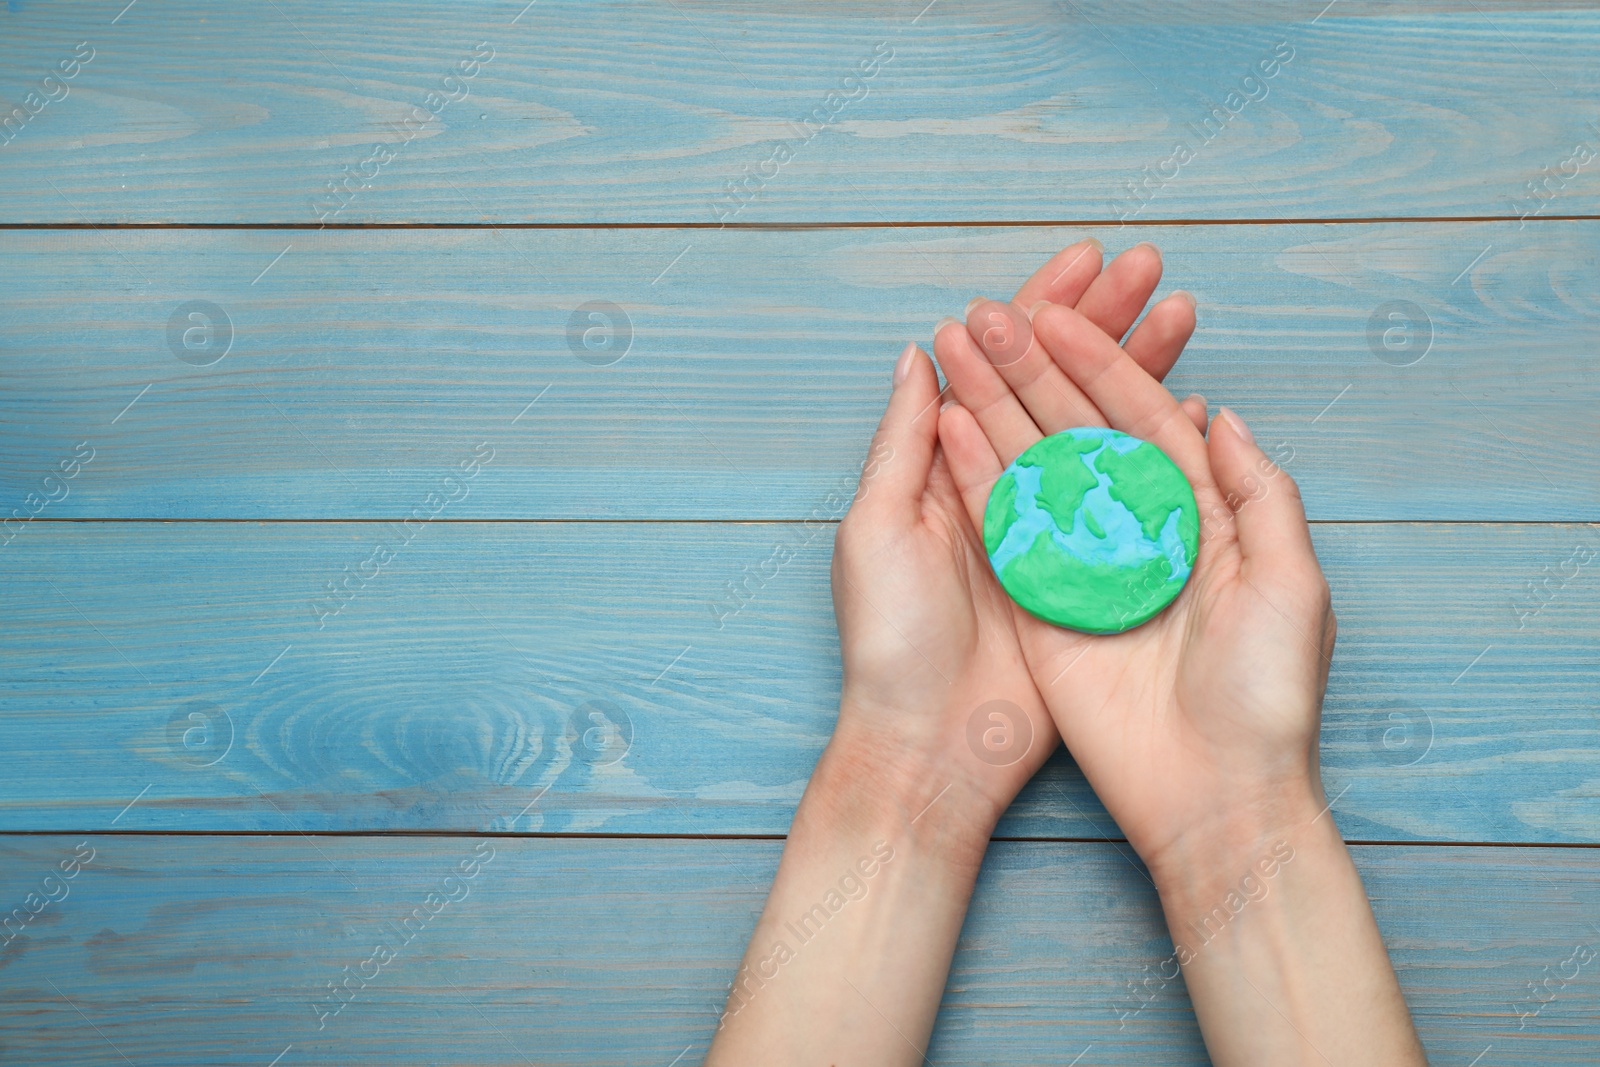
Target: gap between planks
[[780, 226], [601, 836], [739, 522]]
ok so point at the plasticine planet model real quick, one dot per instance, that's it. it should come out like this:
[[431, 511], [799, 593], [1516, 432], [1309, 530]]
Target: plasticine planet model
[[1092, 529]]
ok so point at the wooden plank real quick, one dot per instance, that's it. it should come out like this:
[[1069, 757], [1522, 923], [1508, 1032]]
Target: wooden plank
[[364, 366], [626, 112], [216, 951], [443, 694]]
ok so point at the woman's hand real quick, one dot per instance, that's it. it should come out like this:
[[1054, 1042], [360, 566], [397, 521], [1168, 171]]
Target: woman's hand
[[1209, 712], [1198, 729]]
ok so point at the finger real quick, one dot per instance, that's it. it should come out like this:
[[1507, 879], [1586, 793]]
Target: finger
[[1157, 342], [896, 469], [1065, 277], [1005, 337], [1269, 517], [1194, 406], [1115, 298], [1130, 399], [973, 464], [977, 385]]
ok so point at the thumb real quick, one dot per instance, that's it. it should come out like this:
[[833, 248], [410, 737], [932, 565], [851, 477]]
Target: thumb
[[1268, 513], [896, 469]]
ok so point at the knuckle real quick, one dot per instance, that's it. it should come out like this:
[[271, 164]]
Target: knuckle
[[849, 530], [1283, 480], [1290, 487], [1306, 582]]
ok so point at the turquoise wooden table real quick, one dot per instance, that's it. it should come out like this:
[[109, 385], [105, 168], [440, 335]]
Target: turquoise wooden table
[[422, 431]]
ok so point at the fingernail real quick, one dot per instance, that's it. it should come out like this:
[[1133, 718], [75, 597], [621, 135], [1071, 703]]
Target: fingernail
[[1038, 306], [1186, 294], [1237, 424], [1151, 245], [942, 323], [1195, 396], [1098, 244], [902, 366], [974, 302], [949, 403]]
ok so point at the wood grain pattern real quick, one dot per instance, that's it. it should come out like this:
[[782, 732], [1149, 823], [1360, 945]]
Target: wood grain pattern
[[177, 682], [627, 112], [188, 951], [443, 695], [364, 366]]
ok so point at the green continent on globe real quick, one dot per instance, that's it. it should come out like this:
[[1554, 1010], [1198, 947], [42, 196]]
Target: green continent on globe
[[1092, 529]]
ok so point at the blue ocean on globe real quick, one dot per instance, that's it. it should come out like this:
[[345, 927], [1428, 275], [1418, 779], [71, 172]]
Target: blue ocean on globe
[[1098, 530]]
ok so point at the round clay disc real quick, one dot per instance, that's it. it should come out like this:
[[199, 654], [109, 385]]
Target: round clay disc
[[1092, 530]]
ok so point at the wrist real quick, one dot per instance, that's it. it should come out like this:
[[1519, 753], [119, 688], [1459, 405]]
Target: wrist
[[852, 949], [866, 786], [1237, 846], [1279, 949]]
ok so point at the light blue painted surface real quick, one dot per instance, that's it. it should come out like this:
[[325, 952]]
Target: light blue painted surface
[[442, 694], [365, 366], [647, 111], [189, 951], [368, 366]]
